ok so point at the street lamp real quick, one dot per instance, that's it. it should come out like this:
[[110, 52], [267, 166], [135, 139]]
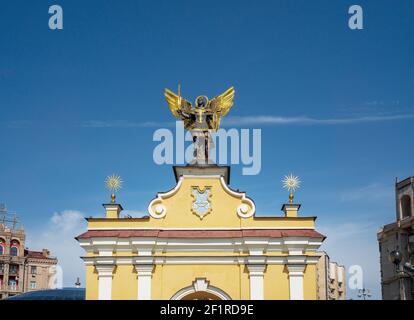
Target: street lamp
[[407, 268], [395, 257], [403, 270], [364, 293]]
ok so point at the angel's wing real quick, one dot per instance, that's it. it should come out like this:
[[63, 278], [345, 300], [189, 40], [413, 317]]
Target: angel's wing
[[223, 103], [220, 106], [177, 104]]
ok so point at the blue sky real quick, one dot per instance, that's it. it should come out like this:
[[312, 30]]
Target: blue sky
[[290, 61]]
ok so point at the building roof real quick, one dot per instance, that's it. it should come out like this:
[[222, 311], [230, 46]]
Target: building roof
[[52, 294], [403, 183], [37, 255], [191, 233]]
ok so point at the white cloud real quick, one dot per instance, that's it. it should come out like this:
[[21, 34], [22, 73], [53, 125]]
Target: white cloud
[[123, 124], [17, 124], [252, 120], [369, 192], [304, 120], [58, 236]]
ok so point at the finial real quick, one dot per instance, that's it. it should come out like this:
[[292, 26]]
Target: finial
[[113, 184], [291, 183]]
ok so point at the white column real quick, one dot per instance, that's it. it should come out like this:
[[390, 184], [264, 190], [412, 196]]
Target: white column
[[256, 273], [296, 281], [105, 281], [144, 275]]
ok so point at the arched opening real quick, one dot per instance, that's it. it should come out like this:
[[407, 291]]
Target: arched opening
[[200, 290], [406, 206], [201, 295], [14, 248], [2, 246]]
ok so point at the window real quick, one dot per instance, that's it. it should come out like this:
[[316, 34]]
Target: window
[[32, 284], [14, 251], [14, 248], [13, 268], [2, 246], [33, 270], [12, 284], [406, 206]]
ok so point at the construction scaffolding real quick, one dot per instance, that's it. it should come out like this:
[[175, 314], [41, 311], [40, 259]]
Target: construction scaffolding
[[8, 219]]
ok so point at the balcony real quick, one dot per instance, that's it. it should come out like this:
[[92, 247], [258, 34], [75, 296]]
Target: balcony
[[7, 258], [11, 288], [16, 259]]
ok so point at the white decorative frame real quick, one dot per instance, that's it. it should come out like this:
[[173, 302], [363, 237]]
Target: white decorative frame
[[200, 284], [201, 216], [245, 210], [156, 209]]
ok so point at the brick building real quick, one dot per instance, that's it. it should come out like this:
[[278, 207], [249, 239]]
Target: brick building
[[21, 270]]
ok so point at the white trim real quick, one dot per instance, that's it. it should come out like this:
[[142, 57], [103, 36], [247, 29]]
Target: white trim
[[247, 208], [200, 284], [296, 281], [205, 260], [204, 229], [144, 275], [151, 245], [105, 281], [256, 274], [105, 251], [160, 210], [207, 176]]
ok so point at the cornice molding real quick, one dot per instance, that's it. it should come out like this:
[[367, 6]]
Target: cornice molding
[[108, 262], [149, 246]]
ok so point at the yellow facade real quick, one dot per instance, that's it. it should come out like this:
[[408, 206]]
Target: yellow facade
[[183, 251]]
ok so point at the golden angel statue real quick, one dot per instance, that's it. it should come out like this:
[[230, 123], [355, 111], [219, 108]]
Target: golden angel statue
[[199, 119]]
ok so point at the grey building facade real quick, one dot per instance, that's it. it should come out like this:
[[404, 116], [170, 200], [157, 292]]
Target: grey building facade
[[398, 235]]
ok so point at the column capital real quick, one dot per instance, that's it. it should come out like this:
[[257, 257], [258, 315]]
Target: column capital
[[256, 269], [296, 269], [144, 269], [105, 270]]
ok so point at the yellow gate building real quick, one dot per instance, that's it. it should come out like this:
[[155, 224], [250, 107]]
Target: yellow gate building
[[201, 240]]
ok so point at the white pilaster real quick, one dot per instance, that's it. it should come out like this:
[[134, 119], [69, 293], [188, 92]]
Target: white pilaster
[[256, 273], [105, 281], [296, 281], [144, 275]]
